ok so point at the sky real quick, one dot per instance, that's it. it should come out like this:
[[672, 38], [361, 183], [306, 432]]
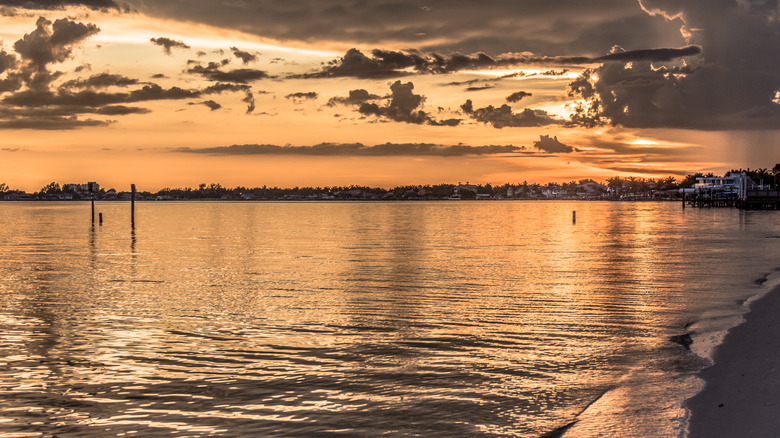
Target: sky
[[383, 93]]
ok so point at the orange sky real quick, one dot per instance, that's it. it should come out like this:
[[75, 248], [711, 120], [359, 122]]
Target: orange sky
[[86, 94]]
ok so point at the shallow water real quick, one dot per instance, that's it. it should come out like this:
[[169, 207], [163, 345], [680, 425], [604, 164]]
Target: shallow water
[[361, 319]]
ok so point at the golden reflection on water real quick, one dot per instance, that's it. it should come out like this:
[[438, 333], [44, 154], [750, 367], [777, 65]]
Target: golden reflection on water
[[443, 318]]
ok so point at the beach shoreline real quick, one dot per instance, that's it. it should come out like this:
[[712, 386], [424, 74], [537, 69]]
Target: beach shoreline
[[741, 396]]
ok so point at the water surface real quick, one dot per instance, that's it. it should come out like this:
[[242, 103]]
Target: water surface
[[364, 319]]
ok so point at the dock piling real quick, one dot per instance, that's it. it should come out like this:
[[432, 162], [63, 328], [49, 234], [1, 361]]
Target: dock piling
[[132, 206]]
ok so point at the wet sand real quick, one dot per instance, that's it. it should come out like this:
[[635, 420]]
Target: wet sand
[[742, 392]]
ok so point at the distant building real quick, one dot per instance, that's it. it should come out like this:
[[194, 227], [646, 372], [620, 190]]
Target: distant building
[[733, 183], [553, 191]]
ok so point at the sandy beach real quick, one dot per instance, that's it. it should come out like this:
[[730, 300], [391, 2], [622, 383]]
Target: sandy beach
[[742, 392]]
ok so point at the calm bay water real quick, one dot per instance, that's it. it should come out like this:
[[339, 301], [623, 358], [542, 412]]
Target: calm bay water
[[366, 319]]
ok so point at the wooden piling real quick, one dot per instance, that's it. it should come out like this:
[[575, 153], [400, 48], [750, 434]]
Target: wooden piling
[[574, 217], [92, 200], [100, 218], [132, 206]]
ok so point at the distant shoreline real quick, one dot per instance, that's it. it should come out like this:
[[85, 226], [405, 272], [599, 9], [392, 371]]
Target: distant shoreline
[[242, 201]]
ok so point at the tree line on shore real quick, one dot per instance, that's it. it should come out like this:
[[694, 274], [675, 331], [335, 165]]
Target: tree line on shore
[[614, 188]]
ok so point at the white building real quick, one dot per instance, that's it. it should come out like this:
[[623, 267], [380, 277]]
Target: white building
[[733, 183]]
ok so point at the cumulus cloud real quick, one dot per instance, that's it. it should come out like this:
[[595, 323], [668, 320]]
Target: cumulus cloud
[[552, 145], [357, 149], [730, 85], [503, 116], [356, 97], [167, 44], [52, 42], [7, 61], [32, 99], [403, 107], [49, 43], [517, 96], [245, 57]]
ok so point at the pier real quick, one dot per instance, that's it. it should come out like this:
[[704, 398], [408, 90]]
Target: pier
[[760, 200]]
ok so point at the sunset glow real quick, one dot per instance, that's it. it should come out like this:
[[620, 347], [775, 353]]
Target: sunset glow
[[130, 92]]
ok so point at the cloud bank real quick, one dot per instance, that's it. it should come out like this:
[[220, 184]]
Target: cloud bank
[[358, 149]]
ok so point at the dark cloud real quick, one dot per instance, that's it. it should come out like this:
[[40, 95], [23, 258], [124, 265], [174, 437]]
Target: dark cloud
[[389, 64], [60, 4], [552, 145], [102, 80], [31, 99], [302, 96], [12, 82], [358, 149], [649, 54], [468, 82], [50, 123], [156, 92], [522, 74], [494, 26], [211, 104], [403, 107], [249, 99], [52, 42], [732, 84], [7, 61], [356, 97], [517, 96], [28, 101], [219, 87], [503, 116], [245, 57], [120, 110], [213, 72], [91, 98], [483, 87], [355, 64], [167, 44]]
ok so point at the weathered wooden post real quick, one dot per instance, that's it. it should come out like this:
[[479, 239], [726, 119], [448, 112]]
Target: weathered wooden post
[[100, 218], [574, 217], [132, 206], [91, 188]]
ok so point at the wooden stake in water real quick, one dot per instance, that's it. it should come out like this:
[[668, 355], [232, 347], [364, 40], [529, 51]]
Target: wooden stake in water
[[100, 218], [132, 206], [93, 209], [574, 217]]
